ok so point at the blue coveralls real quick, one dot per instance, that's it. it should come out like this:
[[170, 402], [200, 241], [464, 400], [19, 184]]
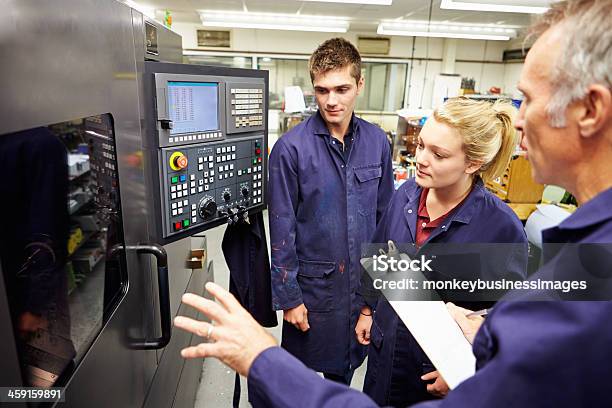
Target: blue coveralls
[[395, 360], [323, 205], [529, 353]]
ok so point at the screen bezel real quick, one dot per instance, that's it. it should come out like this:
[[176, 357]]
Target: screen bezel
[[217, 85], [161, 104]]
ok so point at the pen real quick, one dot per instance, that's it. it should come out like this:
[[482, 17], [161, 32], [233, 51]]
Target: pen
[[482, 313]]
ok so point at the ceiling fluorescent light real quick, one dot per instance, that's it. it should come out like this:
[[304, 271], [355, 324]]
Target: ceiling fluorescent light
[[383, 31], [486, 6], [374, 2], [148, 11], [466, 31], [269, 21]]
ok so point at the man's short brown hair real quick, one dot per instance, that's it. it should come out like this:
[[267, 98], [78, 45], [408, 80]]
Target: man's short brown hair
[[333, 54]]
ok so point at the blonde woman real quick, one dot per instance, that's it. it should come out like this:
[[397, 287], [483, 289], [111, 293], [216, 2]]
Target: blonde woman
[[464, 143]]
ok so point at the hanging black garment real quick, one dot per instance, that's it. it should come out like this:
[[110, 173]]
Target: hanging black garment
[[246, 253]]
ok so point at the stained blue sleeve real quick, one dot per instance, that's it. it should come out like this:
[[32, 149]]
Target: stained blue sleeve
[[284, 190], [385, 188], [279, 380]]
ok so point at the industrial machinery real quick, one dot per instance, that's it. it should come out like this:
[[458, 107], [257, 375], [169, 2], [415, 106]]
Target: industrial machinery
[[117, 159]]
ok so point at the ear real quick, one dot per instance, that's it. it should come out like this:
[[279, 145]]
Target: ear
[[360, 84], [472, 167], [596, 110]]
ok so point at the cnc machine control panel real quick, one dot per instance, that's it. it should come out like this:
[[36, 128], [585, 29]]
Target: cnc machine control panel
[[204, 182], [212, 149]]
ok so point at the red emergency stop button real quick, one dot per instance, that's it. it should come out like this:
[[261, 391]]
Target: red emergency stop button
[[258, 151], [178, 161], [177, 226]]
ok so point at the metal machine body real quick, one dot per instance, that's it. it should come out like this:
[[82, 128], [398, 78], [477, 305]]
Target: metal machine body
[[86, 67]]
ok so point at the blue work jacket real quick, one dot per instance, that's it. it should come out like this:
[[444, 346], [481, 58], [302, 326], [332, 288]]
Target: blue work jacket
[[480, 218], [529, 353], [322, 207]]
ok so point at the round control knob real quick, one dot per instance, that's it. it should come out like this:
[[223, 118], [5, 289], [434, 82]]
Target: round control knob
[[207, 207], [245, 192], [227, 196], [178, 161]]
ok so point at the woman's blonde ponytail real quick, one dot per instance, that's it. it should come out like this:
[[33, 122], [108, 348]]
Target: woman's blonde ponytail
[[505, 113]]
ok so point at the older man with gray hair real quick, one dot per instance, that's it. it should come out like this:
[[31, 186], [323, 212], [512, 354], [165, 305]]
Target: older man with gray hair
[[536, 349]]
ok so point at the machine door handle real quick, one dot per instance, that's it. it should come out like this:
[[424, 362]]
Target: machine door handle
[[164, 295]]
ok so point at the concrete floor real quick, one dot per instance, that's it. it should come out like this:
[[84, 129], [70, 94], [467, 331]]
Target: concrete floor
[[217, 385]]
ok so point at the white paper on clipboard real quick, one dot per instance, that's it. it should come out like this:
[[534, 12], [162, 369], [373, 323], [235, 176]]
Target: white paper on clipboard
[[440, 337]]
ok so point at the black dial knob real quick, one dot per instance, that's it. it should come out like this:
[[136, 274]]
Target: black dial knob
[[245, 192], [207, 207], [227, 196]]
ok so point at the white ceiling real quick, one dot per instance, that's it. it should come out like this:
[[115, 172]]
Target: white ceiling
[[362, 17]]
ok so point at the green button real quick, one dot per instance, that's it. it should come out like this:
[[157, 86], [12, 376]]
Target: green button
[[174, 180], [185, 223], [254, 161]]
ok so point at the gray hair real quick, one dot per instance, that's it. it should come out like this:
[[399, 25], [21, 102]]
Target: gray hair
[[586, 56]]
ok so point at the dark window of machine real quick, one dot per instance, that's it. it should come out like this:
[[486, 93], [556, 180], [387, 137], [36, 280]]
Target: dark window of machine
[[59, 225]]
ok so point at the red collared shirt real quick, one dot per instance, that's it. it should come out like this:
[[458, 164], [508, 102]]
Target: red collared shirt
[[425, 226]]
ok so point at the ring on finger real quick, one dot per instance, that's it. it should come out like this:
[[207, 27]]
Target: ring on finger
[[210, 331]]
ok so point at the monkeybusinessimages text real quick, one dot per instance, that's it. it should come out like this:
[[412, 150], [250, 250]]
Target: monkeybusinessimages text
[[386, 264]]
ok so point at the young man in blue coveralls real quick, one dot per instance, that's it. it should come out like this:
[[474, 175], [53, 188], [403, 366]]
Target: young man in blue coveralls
[[534, 349], [330, 180]]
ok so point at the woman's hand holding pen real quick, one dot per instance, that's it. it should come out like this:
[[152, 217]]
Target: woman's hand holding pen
[[469, 324]]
